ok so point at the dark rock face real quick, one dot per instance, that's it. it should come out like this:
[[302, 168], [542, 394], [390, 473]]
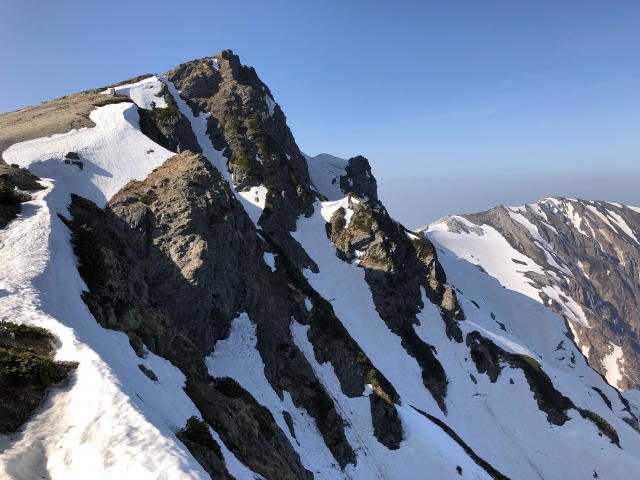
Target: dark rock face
[[178, 259], [487, 356], [203, 447], [386, 424], [359, 180], [12, 178], [177, 221], [168, 127], [597, 242]]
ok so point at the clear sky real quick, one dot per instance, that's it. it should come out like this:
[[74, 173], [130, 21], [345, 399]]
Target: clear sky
[[459, 105]]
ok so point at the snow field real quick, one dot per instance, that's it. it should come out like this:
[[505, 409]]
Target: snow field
[[507, 413], [424, 442], [501, 422], [143, 92], [113, 152], [110, 415]]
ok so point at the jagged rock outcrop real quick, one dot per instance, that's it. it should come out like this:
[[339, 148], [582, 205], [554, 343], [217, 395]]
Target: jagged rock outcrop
[[359, 180], [397, 270], [251, 131], [198, 245], [167, 126]]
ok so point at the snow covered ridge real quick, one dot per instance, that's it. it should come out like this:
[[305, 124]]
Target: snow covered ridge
[[575, 256], [308, 333]]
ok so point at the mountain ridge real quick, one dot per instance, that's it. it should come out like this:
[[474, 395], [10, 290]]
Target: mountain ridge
[[253, 312]]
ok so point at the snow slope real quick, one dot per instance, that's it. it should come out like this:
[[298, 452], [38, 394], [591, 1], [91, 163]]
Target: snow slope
[[113, 152], [501, 422], [110, 415], [143, 93], [325, 171]]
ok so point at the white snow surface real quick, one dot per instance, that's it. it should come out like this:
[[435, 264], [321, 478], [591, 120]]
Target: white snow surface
[[143, 92], [503, 412], [113, 152], [521, 444], [329, 208], [237, 357], [270, 260], [618, 220], [613, 365], [325, 171], [254, 197], [496, 256], [113, 422]]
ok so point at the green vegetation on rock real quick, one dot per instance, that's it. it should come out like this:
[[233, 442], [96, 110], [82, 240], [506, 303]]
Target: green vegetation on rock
[[605, 427], [149, 197], [424, 248], [26, 371], [26, 367], [22, 331], [338, 222], [197, 431], [234, 126]]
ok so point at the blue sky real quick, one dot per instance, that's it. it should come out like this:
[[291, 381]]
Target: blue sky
[[454, 102]]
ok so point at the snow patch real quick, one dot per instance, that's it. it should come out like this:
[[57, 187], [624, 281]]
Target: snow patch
[[623, 225], [255, 196], [110, 417], [613, 364], [325, 172], [143, 92], [270, 260], [237, 357], [271, 104], [113, 152], [329, 208]]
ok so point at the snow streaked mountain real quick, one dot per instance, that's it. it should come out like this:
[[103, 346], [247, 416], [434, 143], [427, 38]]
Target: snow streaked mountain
[[580, 258], [239, 310]]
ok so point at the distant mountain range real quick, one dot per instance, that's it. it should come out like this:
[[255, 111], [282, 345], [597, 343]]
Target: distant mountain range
[[185, 294]]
